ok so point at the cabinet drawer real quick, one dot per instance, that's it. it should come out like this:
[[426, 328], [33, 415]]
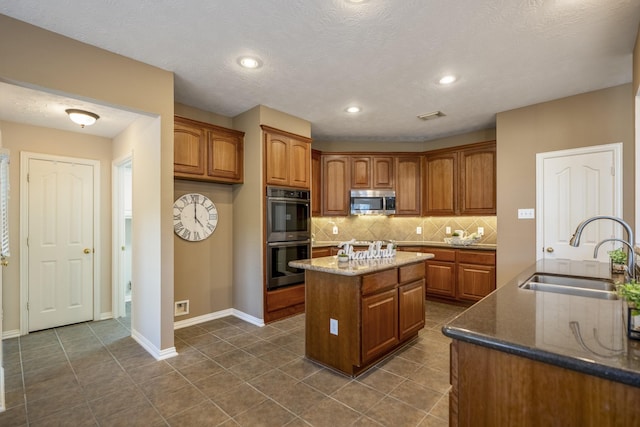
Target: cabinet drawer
[[379, 281], [411, 272], [442, 254], [477, 257]]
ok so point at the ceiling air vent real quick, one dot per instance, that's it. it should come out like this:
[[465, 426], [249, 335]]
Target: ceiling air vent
[[432, 115]]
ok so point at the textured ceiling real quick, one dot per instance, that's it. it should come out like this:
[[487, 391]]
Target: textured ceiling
[[386, 56]]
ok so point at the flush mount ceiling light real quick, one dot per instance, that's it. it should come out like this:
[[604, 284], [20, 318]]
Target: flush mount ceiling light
[[82, 117], [353, 109], [432, 115], [249, 62], [448, 79], [356, 1]]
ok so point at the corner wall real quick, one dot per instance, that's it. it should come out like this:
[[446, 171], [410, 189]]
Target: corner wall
[[594, 118]]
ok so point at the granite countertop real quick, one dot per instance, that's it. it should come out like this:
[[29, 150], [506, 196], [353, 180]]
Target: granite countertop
[[475, 246], [330, 264], [583, 334]]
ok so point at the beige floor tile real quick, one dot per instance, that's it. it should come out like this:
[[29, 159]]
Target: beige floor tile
[[239, 399], [358, 396], [330, 413], [204, 414], [218, 383], [416, 395], [390, 411], [298, 397], [327, 381], [267, 414], [172, 402]]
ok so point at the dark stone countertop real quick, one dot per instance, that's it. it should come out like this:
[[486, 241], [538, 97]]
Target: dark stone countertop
[[475, 246], [536, 325]]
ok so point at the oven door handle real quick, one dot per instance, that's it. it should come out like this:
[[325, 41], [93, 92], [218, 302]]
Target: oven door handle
[[289, 243]]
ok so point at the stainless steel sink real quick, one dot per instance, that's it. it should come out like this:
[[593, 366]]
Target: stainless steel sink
[[571, 285]]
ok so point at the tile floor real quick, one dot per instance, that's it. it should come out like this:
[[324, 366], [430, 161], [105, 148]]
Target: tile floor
[[228, 372]]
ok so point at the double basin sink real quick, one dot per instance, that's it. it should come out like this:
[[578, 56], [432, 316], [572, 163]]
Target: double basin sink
[[571, 285]]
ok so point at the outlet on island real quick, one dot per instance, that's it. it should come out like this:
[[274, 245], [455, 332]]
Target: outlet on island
[[333, 326]]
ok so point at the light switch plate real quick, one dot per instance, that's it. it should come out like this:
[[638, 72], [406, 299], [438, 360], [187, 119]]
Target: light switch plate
[[526, 213]]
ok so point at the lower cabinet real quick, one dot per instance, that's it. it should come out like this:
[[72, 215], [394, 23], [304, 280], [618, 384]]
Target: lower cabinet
[[411, 303], [379, 323]]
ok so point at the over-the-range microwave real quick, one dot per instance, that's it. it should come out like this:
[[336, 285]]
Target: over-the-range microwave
[[373, 202]]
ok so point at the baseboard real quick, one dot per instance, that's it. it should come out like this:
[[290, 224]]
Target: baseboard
[[105, 316], [218, 315], [11, 334], [152, 349]]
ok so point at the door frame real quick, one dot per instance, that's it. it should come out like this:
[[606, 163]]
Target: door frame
[[118, 234], [615, 147], [25, 156]]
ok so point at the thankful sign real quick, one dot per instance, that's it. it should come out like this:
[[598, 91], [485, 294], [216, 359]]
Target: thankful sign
[[375, 250]]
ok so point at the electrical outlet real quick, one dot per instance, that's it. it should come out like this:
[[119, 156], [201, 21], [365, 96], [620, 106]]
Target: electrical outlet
[[480, 231], [335, 229], [447, 230], [418, 230], [333, 326], [526, 213]]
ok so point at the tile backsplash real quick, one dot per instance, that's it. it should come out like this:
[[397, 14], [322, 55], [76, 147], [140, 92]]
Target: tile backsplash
[[401, 229]]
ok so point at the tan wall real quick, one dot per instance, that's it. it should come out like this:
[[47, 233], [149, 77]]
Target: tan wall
[[42, 59], [377, 146], [595, 118], [636, 65], [18, 137], [183, 110]]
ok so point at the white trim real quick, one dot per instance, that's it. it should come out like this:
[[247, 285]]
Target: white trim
[[637, 165], [25, 156], [218, 315], [3, 406], [153, 350], [7, 335], [616, 148], [106, 315], [117, 235]]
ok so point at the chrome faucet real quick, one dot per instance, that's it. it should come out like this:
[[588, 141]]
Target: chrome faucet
[[575, 239], [631, 259]]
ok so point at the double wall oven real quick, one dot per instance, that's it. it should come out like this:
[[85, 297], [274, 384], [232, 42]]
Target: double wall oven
[[288, 235]]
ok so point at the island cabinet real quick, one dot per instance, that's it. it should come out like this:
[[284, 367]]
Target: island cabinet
[[354, 321], [287, 158], [205, 152], [460, 181]]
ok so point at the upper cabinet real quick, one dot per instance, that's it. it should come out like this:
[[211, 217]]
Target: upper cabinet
[[336, 178], [461, 181], [287, 158], [408, 177], [316, 183], [205, 152], [372, 172]]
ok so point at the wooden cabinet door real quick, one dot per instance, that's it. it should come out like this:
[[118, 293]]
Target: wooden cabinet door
[[475, 281], [441, 186], [410, 308], [441, 279], [477, 189], [299, 163], [382, 172], [379, 323], [360, 172], [277, 159], [336, 178], [408, 177], [188, 149], [316, 183], [225, 157]]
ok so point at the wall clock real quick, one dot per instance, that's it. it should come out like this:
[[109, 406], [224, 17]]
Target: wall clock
[[195, 217]]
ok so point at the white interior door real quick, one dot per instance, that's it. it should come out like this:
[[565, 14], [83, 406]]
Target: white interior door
[[573, 185], [60, 243]]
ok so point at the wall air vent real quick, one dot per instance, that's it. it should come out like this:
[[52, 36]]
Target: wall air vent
[[432, 115]]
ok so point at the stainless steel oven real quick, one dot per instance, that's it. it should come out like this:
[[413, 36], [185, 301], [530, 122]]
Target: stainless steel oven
[[278, 256], [288, 214]]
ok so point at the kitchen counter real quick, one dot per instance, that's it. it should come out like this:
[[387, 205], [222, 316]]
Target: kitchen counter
[[475, 246], [361, 311], [582, 334], [331, 265]]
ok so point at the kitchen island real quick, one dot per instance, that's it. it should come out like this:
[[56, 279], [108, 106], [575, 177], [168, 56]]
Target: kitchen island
[[360, 311], [530, 358]]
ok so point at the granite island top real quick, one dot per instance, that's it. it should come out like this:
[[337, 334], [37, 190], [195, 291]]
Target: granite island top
[[330, 264], [584, 334], [474, 246]]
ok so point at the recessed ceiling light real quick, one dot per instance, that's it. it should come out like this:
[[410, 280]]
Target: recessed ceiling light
[[448, 79], [249, 62], [353, 109]]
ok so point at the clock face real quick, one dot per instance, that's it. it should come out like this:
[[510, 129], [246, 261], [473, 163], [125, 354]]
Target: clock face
[[194, 217]]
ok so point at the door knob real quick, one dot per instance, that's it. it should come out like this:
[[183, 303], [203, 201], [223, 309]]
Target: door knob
[[549, 249], [87, 251]]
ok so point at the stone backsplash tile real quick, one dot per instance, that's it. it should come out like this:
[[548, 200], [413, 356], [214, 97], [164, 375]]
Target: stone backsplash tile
[[401, 229]]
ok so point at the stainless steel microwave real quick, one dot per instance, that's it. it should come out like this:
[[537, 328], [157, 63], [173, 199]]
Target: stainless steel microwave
[[373, 202]]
